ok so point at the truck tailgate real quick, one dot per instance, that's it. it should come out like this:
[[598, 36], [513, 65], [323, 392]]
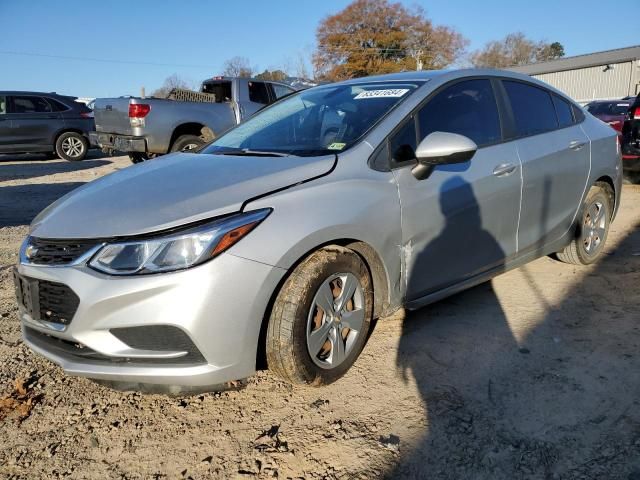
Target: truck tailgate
[[112, 115]]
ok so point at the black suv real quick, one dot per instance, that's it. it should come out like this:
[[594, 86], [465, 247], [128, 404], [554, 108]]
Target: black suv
[[44, 122]]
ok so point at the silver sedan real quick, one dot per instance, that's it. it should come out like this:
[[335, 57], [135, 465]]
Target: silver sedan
[[280, 242]]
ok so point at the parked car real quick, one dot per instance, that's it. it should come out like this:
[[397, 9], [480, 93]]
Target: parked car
[[612, 112], [146, 127], [630, 142], [32, 122], [283, 239]]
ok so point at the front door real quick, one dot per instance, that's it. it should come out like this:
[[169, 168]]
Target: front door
[[462, 220]]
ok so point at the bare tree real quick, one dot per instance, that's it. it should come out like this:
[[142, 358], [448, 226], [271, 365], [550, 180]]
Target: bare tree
[[171, 82], [515, 49], [237, 67]]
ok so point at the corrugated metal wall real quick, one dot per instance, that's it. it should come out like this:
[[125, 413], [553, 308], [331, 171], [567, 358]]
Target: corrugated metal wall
[[594, 83]]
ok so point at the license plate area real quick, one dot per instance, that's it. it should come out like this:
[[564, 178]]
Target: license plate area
[[27, 294]]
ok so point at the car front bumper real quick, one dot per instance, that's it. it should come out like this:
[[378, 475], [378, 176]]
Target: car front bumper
[[121, 143], [219, 305]]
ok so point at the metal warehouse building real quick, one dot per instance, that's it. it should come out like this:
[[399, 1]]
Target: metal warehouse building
[[605, 75]]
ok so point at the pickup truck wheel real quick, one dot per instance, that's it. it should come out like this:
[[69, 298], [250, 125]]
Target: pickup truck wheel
[[184, 143], [321, 318], [592, 229], [138, 157], [72, 146]]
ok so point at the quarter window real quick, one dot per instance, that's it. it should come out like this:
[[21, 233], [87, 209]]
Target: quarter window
[[258, 92], [403, 144], [563, 111], [281, 91], [57, 106], [3, 105], [532, 108], [30, 104], [467, 108]]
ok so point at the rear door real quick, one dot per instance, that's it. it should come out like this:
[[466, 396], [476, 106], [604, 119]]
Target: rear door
[[253, 97], [554, 152], [462, 220], [6, 138], [33, 121]]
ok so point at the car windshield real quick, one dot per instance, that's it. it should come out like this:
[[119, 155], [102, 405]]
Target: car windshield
[[314, 122]]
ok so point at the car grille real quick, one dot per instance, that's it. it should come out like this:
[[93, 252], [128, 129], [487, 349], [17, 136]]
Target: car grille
[[58, 252], [58, 303]]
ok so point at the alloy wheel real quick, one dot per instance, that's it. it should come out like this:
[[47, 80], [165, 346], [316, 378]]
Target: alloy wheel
[[72, 147]]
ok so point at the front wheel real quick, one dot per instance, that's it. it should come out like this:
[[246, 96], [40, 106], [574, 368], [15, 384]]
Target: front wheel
[[593, 227], [72, 146], [321, 318]]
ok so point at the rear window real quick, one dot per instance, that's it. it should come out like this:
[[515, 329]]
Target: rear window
[[222, 90], [532, 108], [258, 92], [30, 104], [563, 111], [281, 91]]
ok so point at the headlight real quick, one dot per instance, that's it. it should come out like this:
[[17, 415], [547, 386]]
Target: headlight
[[177, 250]]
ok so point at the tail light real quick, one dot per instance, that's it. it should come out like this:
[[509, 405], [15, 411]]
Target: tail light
[[137, 112], [616, 125], [86, 114], [636, 113]]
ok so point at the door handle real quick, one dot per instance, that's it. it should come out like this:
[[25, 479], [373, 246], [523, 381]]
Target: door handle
[[504, 169], [576, 145]]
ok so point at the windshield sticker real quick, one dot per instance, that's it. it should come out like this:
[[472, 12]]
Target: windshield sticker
[[389, 92], [336, 146]]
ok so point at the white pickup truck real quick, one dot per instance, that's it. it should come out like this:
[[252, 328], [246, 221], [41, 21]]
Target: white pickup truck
[[147, 127]]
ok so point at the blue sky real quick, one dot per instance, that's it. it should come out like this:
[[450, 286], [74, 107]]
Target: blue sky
[[193, 38]]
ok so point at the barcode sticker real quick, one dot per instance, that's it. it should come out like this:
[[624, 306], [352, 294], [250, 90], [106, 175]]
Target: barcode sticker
[[389, 92]]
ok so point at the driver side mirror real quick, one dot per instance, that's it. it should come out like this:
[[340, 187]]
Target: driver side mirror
[[442, 148]]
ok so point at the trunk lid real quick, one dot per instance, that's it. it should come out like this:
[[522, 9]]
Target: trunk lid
[[112, 115]]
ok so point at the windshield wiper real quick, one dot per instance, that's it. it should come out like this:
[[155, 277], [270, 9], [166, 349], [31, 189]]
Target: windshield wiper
[[253, 153]]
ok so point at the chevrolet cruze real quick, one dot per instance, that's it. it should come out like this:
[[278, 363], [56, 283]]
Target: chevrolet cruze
[[282, 240]]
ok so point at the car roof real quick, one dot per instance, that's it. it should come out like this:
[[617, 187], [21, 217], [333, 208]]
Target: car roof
[[23, 92], [425, 75]]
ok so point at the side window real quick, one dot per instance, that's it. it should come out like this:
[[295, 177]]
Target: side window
[[3, 105], [467, 108], [532, 108], [281, 91], [30, 104], [403, 143], [258, 92], [563, 111]]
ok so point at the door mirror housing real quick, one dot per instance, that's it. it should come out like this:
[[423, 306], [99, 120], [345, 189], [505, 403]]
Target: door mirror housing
[[442, 148]]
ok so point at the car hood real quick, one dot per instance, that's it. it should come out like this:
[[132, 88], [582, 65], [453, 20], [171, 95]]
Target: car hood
[[171, 191]]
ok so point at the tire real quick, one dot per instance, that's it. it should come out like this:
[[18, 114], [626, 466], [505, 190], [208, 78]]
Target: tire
[[72, 146], [138, 157], [296, 315], [632, 177], [184, 143], [592, 229]]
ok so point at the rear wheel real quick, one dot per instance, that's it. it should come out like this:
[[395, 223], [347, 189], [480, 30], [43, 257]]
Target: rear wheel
[[321, 318], [185, 143], [592, 231], [72, 146]]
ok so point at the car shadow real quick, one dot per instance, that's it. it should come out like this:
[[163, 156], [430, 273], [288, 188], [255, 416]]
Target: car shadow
[[500, 403], [19, 167], [19, 204]]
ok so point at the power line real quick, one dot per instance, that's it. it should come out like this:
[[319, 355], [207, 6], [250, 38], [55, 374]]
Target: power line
[[102, 60]]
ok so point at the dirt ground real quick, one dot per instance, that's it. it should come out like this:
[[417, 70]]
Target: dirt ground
[[533, 375]]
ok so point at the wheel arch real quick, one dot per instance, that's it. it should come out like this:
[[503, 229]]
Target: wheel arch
[[373, 262], [192, 128]]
